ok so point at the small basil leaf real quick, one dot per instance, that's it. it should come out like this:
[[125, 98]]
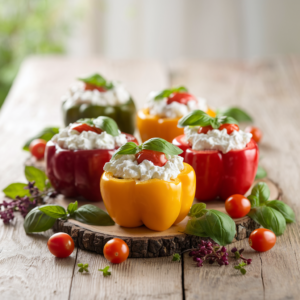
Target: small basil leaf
[[34, 174], [98, 81], [196, 118], [236, 113], [215, 124], [284, 209], [197, 210], [72, 207], [161, 145], [128, 148], [261, 191], [253, 200], [268, 218], [107, 124], [260, 173], [53, 210], [195, 226], [86, 121], [16, 189], [92, 215], [168, 92], [229, 120], [37, 221]]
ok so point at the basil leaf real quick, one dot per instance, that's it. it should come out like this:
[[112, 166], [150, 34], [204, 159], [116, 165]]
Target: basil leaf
[[16, 189], [254, 201], [268, 218], [236, 113], [168, 92], [215, 123], [196, 226], [107, 124], [34, 174], [72, 207], [53, 210], [196, 118], [46, 134], [284, 209], [197, 210], [128, 148], [98, 81], [261, 191], [92, 215], [229, 120], [260, 173], [37, 221], [161, 145], [86, 121]]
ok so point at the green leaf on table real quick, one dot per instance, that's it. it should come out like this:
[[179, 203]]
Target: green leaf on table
[[284, 209], [197, 210], [97, 80], [83, 267], [53, 210], [72, 207], [37, 221], [176, 257], [261, 191], [168, 92], [36, 175], [236, 113], [261, 173], [107, 124], [16, 189], [241, 268], [161, 145], [92, 215], [253, 200], [46, 134], [105, 271]]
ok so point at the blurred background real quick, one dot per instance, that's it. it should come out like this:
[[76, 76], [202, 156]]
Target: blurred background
[[159, 29]]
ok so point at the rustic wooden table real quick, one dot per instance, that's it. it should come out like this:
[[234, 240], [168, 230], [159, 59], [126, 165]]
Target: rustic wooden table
[[269, 90]]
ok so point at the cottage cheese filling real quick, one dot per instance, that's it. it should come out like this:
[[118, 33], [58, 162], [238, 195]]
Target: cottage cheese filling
[[127, 167], [115, 96], [174, 110], [216, 139]]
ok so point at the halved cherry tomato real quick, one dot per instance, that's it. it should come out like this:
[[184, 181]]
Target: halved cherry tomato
[[116, 251], [61, 245], [256, 133], [90, 87], [158, 158], [182, 98], [262, 239], [37, 148], [229, 127], [237, 206], [80, 127], [205, 129]]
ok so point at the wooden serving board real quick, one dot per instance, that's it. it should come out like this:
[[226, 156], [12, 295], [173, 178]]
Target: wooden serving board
[[142, 241]]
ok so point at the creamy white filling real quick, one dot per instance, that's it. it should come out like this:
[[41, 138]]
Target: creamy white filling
[[216, 139], [127, 167], [174, 110], [115, 96], [87, 140]]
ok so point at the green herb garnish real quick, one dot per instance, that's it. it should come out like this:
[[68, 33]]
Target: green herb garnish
[[98, 81], [105, 271], [168, 92]]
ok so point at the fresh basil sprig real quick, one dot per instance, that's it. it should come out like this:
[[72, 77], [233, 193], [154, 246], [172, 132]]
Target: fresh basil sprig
[[210, 223], [155, 144], [272, 215], [97, 80], [236, 113], [201, 118], [168, 92]]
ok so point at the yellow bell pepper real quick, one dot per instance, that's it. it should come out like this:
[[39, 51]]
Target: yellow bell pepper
[[153, 126], [155, 203]]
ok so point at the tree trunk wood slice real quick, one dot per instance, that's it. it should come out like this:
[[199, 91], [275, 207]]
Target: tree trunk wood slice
[[143, 242]]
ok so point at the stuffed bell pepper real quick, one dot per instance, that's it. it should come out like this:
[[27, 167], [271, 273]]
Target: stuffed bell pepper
[[224, 157], [94, 96], [75, 157], [163, 111], [148, 185]]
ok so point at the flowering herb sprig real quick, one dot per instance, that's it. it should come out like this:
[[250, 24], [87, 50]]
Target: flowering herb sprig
[[245, 261]]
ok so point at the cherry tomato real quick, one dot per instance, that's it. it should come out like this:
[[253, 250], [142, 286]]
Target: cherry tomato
[[90, 87], [80, 127], [37, 148], [182, 98], [256, 133], [205, 129], [158, 158], [61, 245], [262, 239], [237, 206], [116, 251], [229, 127]]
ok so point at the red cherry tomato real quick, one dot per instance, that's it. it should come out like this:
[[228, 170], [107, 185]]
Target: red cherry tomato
[[237, 206], [90, 87], [262, 239], [37, 148], [205, 129], [229, 127], [85, 127], [61, 245], [158, 158], [116, 251], [182, 98], [256, 133]]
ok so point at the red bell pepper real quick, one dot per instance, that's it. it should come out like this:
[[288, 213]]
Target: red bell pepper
[[218, 174], [77, 173]]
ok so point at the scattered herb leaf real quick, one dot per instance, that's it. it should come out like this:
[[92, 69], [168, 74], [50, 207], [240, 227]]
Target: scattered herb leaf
[[105, 271], [83, 267], [176, 257], [16, 189], [36, 175]]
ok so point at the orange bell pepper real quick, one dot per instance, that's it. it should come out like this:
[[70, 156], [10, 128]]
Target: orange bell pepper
[[155, 203], [153, 126]]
